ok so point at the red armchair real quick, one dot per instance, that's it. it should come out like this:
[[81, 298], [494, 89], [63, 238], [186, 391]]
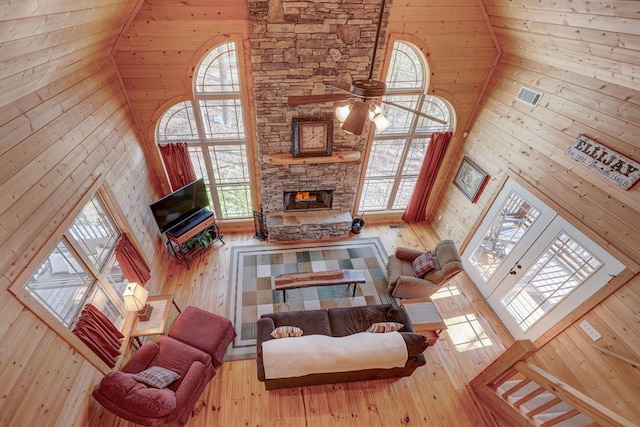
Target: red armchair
[[194, 349]]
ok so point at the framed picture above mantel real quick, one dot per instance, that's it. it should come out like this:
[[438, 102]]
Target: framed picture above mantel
[[470, 179], [312, 136]]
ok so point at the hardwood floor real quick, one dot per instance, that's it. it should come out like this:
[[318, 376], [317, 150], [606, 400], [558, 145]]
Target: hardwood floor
[[435, 395]]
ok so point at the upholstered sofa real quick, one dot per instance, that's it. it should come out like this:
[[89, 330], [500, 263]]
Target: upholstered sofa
[[340, 322], [193, 349], [403, 282]]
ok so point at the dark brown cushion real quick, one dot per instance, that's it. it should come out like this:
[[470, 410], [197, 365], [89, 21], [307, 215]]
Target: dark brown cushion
[[313, 322], [416, 343], [352, 320]]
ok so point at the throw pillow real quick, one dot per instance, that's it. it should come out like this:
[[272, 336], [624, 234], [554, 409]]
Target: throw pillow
[[286, 332], [415, 343], [381, 327], [156, 376], [423, 264]]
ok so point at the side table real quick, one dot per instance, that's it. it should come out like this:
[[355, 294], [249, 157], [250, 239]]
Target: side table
[[157, 323], [425, 318]]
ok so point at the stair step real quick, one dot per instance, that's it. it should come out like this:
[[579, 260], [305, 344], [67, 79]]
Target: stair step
[[506, 386], [579, 420], [541, 399], [544, 397]]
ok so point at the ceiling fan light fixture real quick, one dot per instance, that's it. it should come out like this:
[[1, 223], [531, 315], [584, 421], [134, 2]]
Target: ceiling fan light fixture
[[374, 111], [357, 117], [381, 122], [342, 112]]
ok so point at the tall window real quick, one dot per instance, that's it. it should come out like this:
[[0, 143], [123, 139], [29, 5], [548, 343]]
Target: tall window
[[82, 269], [398, 152], [212, 124]]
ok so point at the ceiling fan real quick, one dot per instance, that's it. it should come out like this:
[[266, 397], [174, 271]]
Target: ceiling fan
[[366, 92]]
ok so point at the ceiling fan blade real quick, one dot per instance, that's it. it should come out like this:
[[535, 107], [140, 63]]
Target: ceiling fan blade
[[294, 101], [357, 118], [339, 85], [419, 113]]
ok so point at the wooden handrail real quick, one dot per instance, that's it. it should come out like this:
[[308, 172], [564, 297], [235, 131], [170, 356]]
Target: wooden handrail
[[520, 350], [631, 362], [512, 364], [581, 402]]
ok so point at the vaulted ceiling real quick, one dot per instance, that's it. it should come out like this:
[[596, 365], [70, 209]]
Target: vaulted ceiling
[[43, 41]]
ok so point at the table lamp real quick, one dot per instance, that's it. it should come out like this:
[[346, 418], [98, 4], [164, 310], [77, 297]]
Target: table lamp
[[135, 299]]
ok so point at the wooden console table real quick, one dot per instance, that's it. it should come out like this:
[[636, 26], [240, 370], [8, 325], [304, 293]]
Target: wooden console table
[[324, 278], [181, 245]]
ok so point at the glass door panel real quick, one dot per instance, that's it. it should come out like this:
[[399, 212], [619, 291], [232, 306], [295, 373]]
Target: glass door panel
[[510, 226], [557, 274]]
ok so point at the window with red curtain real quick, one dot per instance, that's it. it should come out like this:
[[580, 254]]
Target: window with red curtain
[[212, 123], [82, 268], [397, 154]]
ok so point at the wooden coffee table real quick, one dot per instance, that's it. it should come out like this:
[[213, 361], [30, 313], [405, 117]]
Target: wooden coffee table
[[425, 318], [322, 278]]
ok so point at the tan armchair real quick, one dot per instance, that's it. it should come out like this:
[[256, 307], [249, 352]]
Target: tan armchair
[[403, 283]]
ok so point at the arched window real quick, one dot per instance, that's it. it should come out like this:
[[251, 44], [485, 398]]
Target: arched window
[[398, 152], [212, 125]]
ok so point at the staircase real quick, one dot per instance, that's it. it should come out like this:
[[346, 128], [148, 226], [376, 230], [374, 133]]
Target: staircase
[[521, 394], [541, 406]]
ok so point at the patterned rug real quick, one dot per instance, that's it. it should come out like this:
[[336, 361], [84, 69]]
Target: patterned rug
[[253, 269]]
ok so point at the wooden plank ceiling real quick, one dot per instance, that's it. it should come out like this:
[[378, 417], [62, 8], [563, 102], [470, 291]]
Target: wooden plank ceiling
[[598, 39], [42, 41]]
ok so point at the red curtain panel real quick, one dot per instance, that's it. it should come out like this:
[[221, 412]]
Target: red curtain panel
[[178, 164], [133, 266], [417, 206], [99, 334]]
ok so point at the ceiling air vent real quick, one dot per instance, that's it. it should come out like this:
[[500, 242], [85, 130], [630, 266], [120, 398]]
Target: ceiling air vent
[[529, 96]]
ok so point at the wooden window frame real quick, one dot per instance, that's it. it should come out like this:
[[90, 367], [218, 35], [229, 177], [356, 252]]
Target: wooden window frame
[[412, 133], [17, 288], [205, 145]]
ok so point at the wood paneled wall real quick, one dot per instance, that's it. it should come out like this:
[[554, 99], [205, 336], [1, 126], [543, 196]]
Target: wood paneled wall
[[158, 52], [584, 57], [45, 41], [64, 120], [64, 123], [461, 51]]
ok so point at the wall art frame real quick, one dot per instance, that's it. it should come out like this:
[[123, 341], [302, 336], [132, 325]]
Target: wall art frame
[[470, 179]]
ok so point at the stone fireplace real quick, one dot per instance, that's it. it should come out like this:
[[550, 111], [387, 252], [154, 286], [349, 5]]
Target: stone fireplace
[[296, 47], [308, 200]]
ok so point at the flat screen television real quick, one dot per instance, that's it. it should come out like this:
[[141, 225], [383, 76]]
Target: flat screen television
[[174, 208]]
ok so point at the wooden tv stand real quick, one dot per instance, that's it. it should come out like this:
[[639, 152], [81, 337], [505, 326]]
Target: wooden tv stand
[[182, 245]]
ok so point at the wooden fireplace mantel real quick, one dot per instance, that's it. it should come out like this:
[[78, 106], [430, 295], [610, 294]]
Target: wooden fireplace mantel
[[286, 160]]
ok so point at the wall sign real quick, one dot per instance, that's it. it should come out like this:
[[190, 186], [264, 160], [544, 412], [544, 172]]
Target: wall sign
[[613, 166]]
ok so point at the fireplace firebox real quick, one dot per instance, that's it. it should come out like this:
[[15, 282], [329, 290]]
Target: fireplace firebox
[[308, 200]]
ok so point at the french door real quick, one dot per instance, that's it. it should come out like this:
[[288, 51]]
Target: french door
[[531, 265]]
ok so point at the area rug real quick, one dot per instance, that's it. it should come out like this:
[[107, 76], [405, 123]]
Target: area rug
[[254, 268]]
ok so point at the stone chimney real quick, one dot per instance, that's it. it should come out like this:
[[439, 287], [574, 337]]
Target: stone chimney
[[297, 46]]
